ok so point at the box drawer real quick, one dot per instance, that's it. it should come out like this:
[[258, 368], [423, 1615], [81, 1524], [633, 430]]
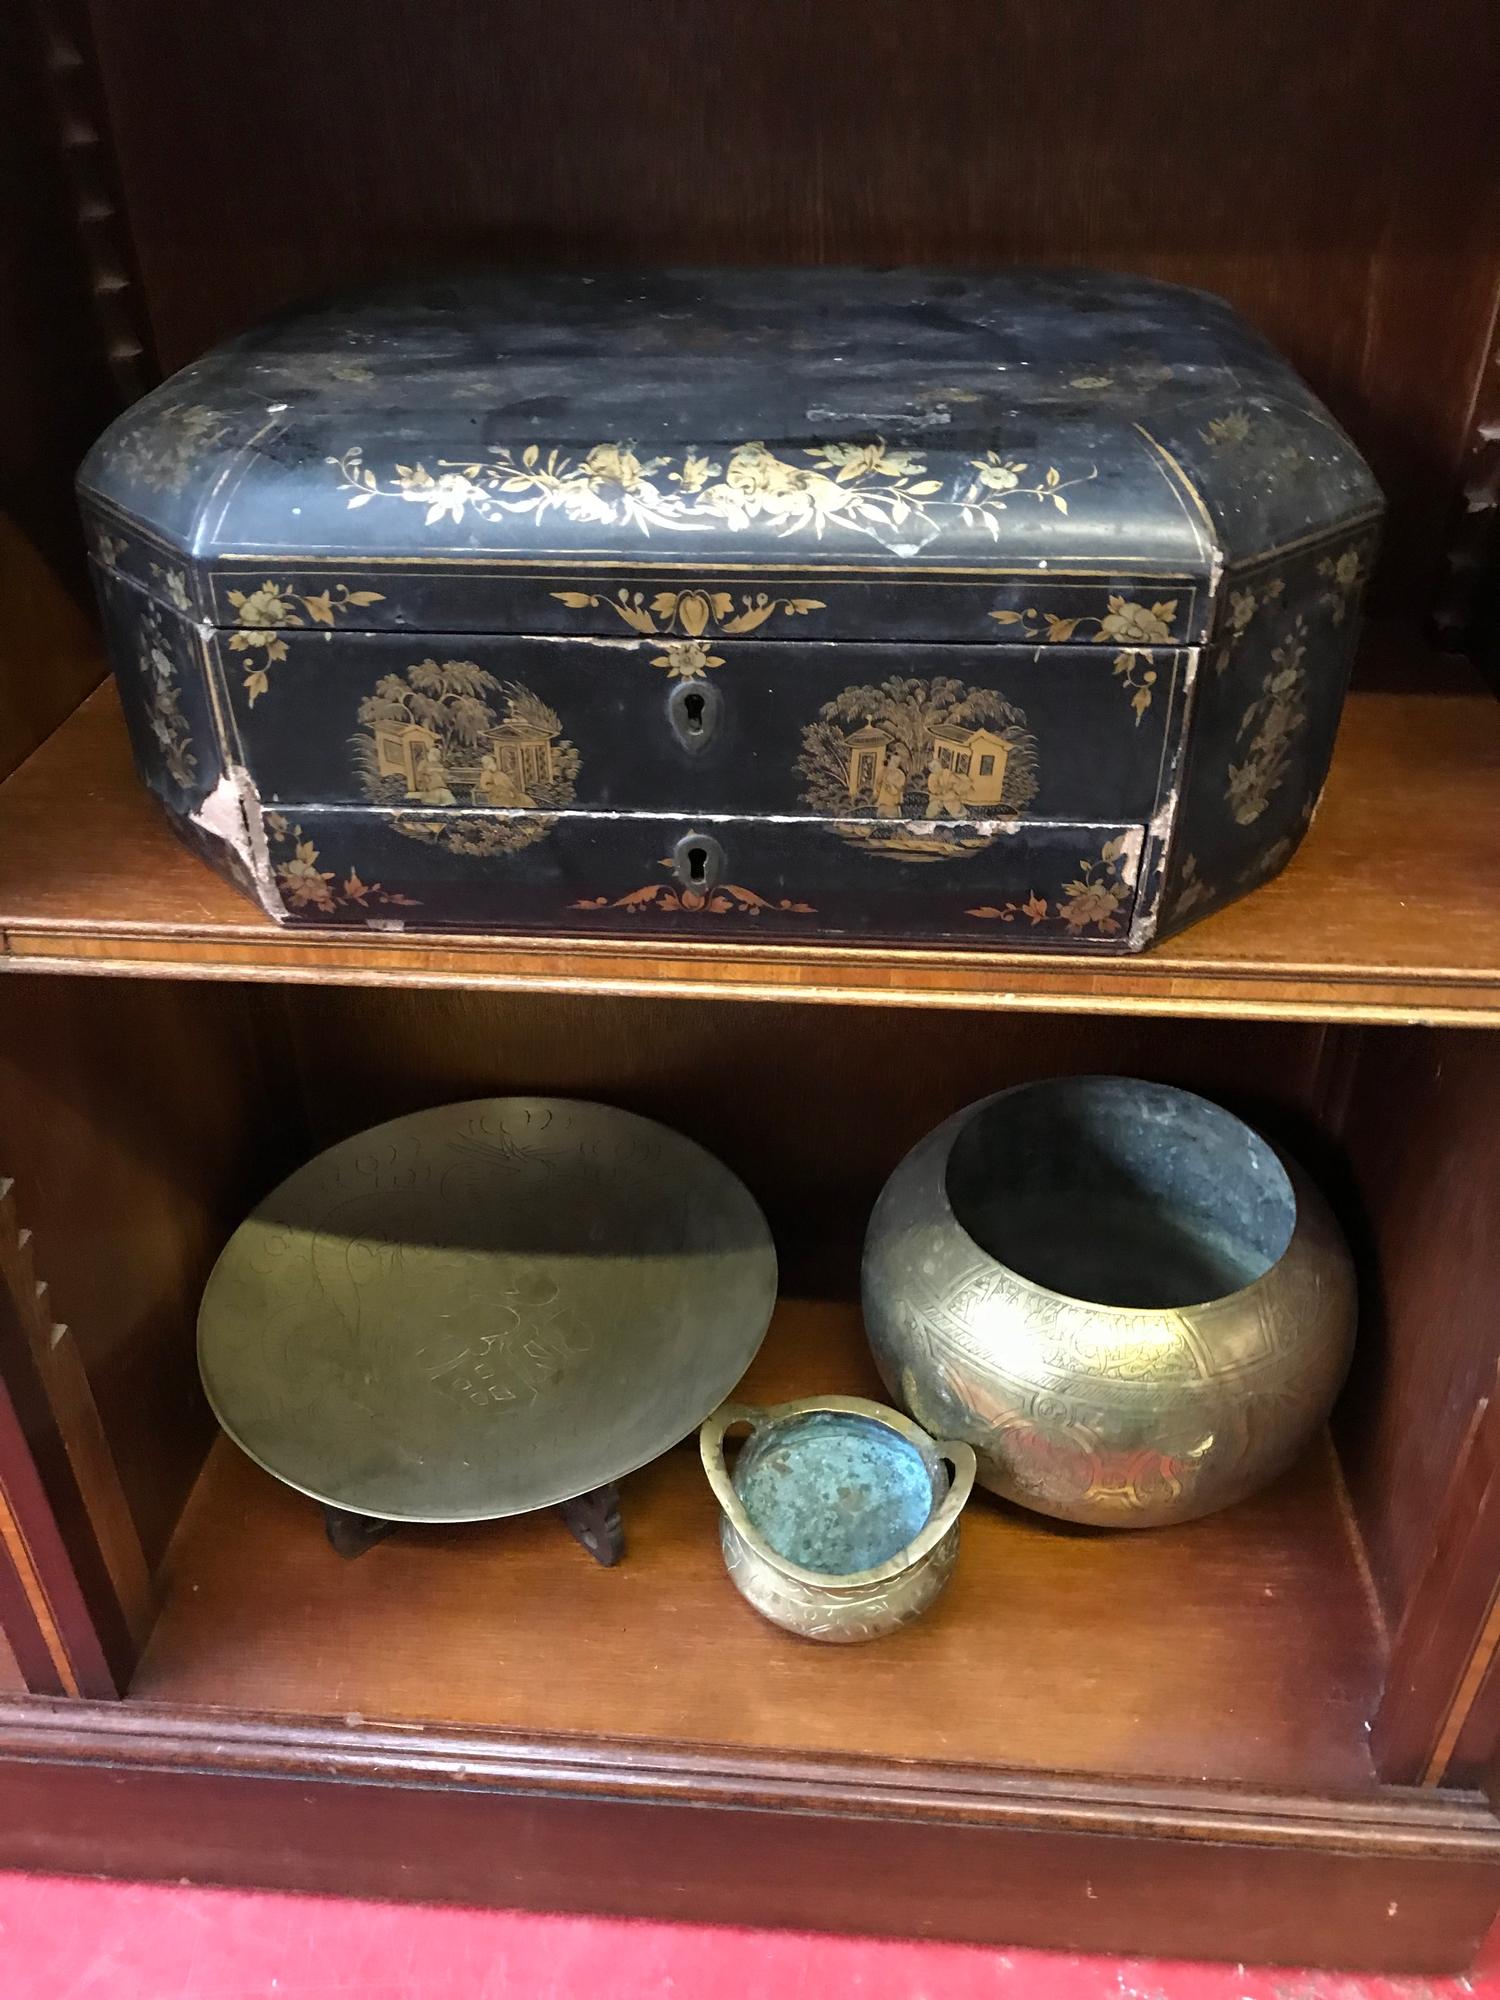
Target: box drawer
[[996, 883], [1065, 732]]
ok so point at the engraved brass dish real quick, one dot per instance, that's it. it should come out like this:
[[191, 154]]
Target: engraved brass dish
[[485, 1308], [840, 1520], [1132, 1307]]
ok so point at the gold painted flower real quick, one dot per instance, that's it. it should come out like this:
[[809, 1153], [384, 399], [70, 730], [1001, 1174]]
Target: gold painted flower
[[757, 472], [687, 659], [613, 465], [1095, 903], [1135, 625], [696, 472], [856, 460], [264, 608], [1346, 574], [1247, 792], [998, 473], [302, 882], [448, 496], [757, 482], [1192, 890], [1241, 608], [1232, 429], [444, 497]]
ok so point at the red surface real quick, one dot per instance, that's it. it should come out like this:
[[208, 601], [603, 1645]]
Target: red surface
[[68, 1940]]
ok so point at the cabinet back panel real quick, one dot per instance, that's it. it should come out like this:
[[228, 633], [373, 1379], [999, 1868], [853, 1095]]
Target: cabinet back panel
[[1330, 170], [54, 397], [813, 1107]]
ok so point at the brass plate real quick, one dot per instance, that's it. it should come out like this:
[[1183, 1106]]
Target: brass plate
[[485, 1308]]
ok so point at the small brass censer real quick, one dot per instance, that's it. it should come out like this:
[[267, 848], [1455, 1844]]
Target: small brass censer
[[484, 1309], [840, 1517], [1131, 1306]]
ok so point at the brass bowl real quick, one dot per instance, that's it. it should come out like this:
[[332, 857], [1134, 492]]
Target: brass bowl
[[840, 1520], [1124, 1299]]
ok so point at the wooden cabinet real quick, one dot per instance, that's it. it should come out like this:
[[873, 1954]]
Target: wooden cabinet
[[1270, 1734]]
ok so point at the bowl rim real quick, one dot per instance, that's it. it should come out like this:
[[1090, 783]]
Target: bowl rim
[[942, 1519], [1297, 1181]]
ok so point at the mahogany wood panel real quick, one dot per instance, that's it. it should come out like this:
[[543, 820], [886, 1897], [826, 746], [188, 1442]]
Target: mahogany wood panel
[[1474, 1758], [1241, 1648], [34, 1653], [1401, 1883], [812, 1110], [74, 1418], [1386, 914], [11, 1679], [84, 1562], [1329, 169], [1421, 1139], [1437, 1717], [138, 1125], [64, 1626]]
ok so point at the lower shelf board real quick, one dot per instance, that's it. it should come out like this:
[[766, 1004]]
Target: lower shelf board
[[1242, 1649]]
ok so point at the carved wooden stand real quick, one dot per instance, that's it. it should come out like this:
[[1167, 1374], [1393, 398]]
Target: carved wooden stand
[[593, 1520]]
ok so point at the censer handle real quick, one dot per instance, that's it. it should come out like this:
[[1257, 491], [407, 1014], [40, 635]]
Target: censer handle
[[961, 1457], [711, 1447]]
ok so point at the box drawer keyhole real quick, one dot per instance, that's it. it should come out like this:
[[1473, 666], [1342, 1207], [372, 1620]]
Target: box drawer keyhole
[[698, 862], [694, 709]]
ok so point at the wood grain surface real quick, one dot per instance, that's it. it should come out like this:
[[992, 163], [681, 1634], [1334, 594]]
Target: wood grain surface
[[1421, 1148], [138, 1124], [1386, 914], [1400, 1882], [1242, 1648], [1406, 1883]]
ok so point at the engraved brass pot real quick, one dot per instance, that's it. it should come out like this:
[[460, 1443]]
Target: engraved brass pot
[[1130, 1305], [840, 1519]]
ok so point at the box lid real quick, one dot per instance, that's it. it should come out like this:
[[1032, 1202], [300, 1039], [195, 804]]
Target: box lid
[[1033, 429]]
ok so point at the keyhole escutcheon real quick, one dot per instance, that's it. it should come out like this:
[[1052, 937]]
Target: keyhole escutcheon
[[698, 863], [694, 711]]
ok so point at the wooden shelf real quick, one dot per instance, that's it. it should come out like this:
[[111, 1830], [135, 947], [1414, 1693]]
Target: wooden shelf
[[1238, 1649], [1387, 913]]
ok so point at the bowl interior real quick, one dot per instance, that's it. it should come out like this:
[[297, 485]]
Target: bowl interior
[[836, 1492], [1121, 1193]]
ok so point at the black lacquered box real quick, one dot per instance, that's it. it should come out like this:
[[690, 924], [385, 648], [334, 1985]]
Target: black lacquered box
[[1009, 610]]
